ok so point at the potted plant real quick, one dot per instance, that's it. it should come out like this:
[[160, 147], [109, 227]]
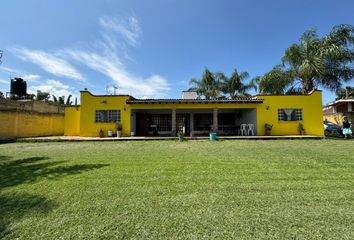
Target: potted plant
[[301, 129], [212, 135], [180, 136], [268, 129], [119, 129], [110, 133], [101, 133]]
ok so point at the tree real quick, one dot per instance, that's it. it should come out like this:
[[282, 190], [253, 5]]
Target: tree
[[42, 96], [343, 93], [68, 102], [325, 61], [234, 86], [277, 81], [61, 100], [207, 86], [2, 95], [55, 99]]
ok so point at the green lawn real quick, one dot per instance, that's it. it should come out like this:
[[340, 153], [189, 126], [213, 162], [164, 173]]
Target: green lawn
[[284, 189]]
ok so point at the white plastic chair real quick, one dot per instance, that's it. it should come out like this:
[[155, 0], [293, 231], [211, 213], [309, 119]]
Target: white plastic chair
[[250, 129], [243, 130]]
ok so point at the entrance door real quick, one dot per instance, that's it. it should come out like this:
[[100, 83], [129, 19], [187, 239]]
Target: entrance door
[[183, 123], [142, 126]]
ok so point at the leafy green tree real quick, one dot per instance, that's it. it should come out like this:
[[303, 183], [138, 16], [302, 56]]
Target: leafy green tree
[[42, 96], [208, 86], [233, 86], [347, 92], [325, 61]]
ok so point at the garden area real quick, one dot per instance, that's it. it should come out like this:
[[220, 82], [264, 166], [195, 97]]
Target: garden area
[[264, 189]]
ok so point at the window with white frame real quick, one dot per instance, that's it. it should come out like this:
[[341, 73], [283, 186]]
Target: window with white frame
[[107, 116], [290, 114]]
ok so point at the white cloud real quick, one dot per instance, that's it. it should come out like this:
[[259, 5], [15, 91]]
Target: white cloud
[[30, 77], [110, 65], [2, 81], [106, 57], [128, 28], [54, 87], [48, 62], [9, 70], [19, 73]]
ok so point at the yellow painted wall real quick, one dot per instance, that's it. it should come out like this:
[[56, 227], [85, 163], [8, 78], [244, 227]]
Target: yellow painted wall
[[311, 106], [72, 121], [30, 124], [8, 123], [334, 118], [312, 115], [89, 105]]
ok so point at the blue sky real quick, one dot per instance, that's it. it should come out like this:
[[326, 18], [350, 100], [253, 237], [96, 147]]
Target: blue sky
[[151, 48]]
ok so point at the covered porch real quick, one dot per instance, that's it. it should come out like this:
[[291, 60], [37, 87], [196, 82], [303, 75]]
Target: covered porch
[[194, 122]]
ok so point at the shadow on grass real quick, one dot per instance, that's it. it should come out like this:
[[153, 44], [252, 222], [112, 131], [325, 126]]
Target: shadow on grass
[[14, 206], [28, 170]]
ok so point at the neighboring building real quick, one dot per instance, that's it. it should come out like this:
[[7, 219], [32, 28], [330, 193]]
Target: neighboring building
[[146, 117], [336, 110]]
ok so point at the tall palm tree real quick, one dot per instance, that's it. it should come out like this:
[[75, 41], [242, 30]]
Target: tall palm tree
[[234, 86], [208, 86], [316, 61], [277, 81]]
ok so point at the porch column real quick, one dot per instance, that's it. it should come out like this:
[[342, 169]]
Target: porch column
[[191, 124], [215, 120], [173, 129]]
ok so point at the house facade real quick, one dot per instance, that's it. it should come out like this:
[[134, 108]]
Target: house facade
[[336, 110], [195, 117]]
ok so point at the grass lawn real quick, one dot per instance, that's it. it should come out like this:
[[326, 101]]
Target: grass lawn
[[283, 189]]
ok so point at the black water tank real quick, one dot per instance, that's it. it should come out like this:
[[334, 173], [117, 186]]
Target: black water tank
[[18, 87]]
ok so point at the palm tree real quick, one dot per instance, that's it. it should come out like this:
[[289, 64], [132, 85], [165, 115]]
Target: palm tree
[[68, 102], [54, 99], [61, 100], [207, 86], [234, 86], [277, 81], [323, 61]]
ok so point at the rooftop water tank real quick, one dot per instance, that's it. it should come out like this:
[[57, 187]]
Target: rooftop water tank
[[18, 87]]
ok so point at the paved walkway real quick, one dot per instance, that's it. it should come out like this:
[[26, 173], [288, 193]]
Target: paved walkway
[[77, 138]]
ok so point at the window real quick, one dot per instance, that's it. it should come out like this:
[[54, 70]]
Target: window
[[203, 122], [163, 122], [107, 116], [290, 114]]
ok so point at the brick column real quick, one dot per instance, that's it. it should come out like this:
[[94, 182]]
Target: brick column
[[215, 120], [191, 124], [173, 129]]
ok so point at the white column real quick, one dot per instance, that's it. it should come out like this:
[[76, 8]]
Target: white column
[[132, 123], [173, 129], [215, 120]]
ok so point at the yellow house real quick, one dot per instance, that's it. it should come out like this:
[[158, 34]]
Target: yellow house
[[195, 117]]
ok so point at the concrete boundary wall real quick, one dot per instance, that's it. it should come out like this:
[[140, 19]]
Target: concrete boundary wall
[[30, 119]]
